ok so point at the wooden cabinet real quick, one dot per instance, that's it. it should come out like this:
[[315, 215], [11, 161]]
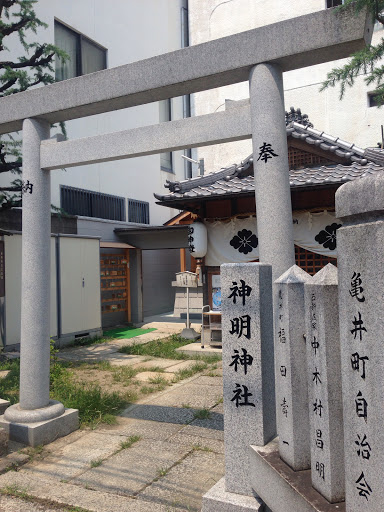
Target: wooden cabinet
[[114, 278]]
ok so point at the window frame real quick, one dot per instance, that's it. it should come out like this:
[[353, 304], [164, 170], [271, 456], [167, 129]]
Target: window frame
[[113, 206], [138, 205], [79, 37], [332, 6]]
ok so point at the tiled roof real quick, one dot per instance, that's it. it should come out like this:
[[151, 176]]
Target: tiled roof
[[237, 179], [300, 178], [327, 142]]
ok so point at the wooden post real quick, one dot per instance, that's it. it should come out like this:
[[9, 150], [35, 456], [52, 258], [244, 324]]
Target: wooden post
[[128, 285]]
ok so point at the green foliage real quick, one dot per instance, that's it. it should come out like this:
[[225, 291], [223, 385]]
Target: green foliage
[[366, 61], [202, 414], [97, 462], [56, 368], [129, 442], [166, 348], [9, 386], [95, 405], [32, 68]]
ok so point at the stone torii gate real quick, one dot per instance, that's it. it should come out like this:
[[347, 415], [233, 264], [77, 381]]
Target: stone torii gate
[[260, 56]]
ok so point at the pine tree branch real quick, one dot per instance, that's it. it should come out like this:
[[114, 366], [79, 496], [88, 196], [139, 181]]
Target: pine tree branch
[[6, 4], [6, 30], [25, 63], [8, 84], [10, 189]]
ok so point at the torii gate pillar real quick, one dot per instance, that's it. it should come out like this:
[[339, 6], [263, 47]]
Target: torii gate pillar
[[271, 169]]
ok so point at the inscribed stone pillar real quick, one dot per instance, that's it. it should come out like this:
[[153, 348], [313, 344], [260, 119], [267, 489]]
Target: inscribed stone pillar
[[290, 368], [248, 367], [271, 169], [360, 241], [324, 384], [36, 265]]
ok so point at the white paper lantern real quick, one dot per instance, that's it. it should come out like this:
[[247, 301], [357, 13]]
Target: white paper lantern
[[197, 239]]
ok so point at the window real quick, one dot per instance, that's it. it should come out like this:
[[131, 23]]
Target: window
[[138, 211], [77, 201], [334, 3], [85, 56], [312, 262], [373, 99], [165, 114]]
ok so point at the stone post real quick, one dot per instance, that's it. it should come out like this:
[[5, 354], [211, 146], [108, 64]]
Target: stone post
[[248, 367], [271, 169], [290, 367], [35, 274], [360, 241], [30, 420], [324, 384]]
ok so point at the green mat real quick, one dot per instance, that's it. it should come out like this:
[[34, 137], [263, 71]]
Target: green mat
[[126, 332]]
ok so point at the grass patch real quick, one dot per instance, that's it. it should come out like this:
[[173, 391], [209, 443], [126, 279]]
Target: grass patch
[[129, 442], [16, 491], [201, 448], [147, 390], [162, 471], [159, 380], [166, 348], [202, 414], [96, 463], [189, 372], [95, 405]]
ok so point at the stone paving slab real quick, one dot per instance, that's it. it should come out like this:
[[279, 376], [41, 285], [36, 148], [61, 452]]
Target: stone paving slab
[[195, 349], [130, 470], [203, 432], [155, 362], [198, 472], [183, 365], [199, 443], [196, 396], [75, 496], [148, 376], [11, 504], [177, 415], [206, 380], [145, 429], [75, 458]]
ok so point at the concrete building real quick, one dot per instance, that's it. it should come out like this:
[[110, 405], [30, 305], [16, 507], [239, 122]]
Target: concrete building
[[117, 195], [355, 118]]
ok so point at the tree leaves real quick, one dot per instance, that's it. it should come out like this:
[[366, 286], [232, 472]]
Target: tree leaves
[[32, 68], [365, 61]]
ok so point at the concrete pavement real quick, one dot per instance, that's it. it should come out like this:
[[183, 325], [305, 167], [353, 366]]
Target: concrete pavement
[[176, 456]]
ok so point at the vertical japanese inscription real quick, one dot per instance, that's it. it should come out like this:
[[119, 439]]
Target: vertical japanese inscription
[[249, 411], [324, 383], [241, 327], [359, 366], [291, 362]]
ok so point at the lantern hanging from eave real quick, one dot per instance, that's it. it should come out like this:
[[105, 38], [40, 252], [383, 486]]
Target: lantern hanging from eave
[[197, 239]]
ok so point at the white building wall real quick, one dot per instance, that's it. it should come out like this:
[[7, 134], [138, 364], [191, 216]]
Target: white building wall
[[131, 30], [351, 119]]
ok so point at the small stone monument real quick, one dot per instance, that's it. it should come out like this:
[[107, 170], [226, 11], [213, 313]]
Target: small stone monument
[[290, 363], [360, 206], [324, 384], [248, 367]]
